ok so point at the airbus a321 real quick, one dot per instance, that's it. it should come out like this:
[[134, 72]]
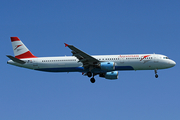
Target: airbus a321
[[106, 66]]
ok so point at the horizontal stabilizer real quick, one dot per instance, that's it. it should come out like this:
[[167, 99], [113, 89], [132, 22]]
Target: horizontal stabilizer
[[15, 59]]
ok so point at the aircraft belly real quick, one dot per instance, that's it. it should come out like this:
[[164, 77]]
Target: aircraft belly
[[60, 67], [124, 68]]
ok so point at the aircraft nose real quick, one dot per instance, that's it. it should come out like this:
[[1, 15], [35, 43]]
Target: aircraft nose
[[173, 63]]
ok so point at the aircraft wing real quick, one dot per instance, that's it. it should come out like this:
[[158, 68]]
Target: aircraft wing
[[83, 57]]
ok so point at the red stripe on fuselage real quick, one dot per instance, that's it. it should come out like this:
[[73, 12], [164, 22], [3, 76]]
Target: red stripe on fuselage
[[27, 54], [14, 39]]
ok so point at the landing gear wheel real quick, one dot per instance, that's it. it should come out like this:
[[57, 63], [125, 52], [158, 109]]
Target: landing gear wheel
[[92, 80], [89, 74], [156, 75]]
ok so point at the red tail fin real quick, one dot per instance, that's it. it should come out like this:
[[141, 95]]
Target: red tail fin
[[20, 50]]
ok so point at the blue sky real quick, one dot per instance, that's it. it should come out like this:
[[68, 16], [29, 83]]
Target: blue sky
[[96, 27]]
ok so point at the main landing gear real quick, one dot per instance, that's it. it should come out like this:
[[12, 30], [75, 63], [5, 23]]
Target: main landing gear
[[89, 74], [156, 75], [92, 80]]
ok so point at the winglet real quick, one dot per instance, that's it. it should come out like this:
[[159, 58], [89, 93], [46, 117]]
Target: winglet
[[66, 45]]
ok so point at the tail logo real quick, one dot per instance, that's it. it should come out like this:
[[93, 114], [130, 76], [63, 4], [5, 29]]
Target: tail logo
[[17, 46]]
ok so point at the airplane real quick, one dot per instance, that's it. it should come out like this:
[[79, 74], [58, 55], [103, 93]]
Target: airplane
[[106, 66]]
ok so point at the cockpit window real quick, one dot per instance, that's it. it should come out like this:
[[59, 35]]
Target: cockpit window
[[165, 58]]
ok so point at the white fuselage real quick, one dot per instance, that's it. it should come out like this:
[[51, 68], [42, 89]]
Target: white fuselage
[[122, 62]]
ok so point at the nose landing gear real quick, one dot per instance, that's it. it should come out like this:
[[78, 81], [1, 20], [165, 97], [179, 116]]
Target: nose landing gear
[[156, 75]]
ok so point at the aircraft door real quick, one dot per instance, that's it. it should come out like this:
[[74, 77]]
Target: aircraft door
[[121, 60], [35, 64], [155, 59]]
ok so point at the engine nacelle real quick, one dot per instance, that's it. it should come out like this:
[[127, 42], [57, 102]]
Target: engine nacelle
[[107, 66], [110, 75]]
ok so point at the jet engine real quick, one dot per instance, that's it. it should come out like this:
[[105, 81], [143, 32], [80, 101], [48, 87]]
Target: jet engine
[[107, 66], [110, 75]]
